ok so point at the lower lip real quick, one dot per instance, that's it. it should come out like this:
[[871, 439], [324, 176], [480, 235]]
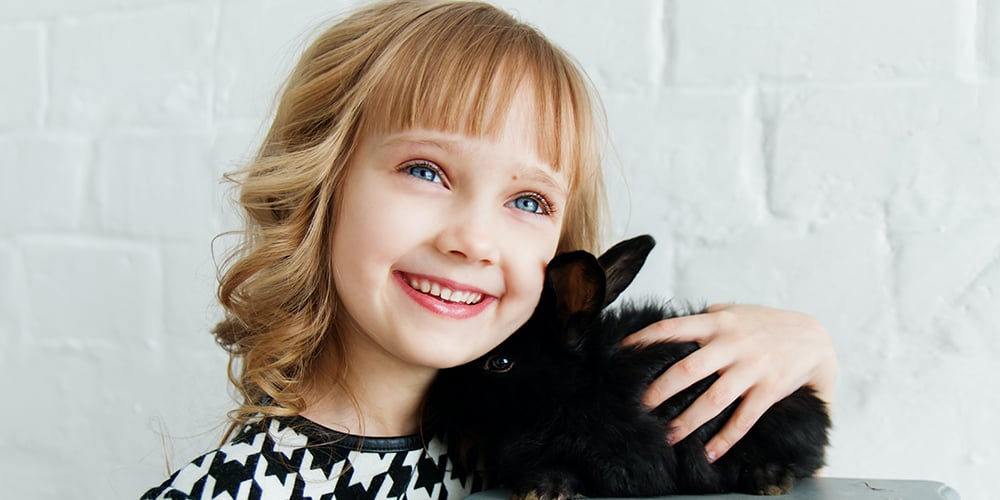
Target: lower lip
[[445, 308]]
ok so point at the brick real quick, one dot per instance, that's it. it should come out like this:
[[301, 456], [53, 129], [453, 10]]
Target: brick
[[723, 42], [988, 36], [91, 292], [850, 149], [233, 148], [824, 268], [619, 47], [71, 391], [156, 186], [917, 374], [235, 144], [890, 405], [135, 68], [30, 461], [90, 387], [44, 182], [958, 153], [10, 300], [191, 309], [19, 11], [180, 417], [21, 88], [688, 168], [179, 414], [259, 43], [948, 272]]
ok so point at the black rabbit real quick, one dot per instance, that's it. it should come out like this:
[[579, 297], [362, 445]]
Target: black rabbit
[[556, 407]]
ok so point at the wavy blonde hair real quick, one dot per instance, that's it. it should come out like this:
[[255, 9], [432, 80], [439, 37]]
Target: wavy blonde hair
[[451, 66]]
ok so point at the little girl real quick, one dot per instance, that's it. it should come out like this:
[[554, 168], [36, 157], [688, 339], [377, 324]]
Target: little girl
[[425, 161]]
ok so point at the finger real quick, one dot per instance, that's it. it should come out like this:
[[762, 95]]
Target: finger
[[746, 415], [696, 328], [682, 374], [722, 393]]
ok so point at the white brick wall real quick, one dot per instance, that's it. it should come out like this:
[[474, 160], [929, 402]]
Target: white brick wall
[[841, 158]]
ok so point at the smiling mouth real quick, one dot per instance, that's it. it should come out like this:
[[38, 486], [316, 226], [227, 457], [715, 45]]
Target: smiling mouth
[[444, 293]]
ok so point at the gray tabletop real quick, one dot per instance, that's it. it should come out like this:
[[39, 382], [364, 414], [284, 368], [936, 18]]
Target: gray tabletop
[[822, 488]]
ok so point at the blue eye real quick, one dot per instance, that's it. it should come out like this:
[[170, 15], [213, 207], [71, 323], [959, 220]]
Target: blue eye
[[425, 172], [532, 204]]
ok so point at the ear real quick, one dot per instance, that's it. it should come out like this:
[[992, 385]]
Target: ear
[[575, 281], [621, 263]]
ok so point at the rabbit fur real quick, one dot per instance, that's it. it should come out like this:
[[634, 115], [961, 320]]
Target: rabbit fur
[[556, 408]]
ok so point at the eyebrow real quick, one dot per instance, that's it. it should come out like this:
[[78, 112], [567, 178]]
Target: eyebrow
[[443, 144], [447, 145], [542, 177]]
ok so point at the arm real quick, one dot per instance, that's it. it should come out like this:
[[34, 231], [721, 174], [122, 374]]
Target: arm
[[761, 354]]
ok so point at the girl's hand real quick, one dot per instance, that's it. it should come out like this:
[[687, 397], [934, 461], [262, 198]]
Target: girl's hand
[[761, 354]]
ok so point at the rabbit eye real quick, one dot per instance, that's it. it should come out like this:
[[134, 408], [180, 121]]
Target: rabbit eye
[[498, 364]]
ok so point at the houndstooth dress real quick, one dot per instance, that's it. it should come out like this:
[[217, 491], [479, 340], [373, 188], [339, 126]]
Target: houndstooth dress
[[295, 458]]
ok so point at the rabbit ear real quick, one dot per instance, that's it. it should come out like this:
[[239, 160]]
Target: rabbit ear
[[576, 283], [622, 262]]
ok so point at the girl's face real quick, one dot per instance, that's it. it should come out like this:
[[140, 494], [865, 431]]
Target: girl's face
[[442, 239]]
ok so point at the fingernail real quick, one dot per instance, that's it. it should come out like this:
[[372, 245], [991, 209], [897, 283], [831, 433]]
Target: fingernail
[[673, 433], [711, 456]]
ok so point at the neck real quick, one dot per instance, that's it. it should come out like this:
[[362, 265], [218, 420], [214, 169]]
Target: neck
[[377, 395]]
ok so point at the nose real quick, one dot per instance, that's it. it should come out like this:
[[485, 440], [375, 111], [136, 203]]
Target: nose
[[473, 237]]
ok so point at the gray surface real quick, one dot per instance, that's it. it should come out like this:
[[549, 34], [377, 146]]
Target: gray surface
[[825, 488]]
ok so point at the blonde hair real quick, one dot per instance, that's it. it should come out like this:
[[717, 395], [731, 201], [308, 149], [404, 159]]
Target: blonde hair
[[389, 66]]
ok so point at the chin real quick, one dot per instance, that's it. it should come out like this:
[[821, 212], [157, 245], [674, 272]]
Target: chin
[[440, 363], [449, 359]]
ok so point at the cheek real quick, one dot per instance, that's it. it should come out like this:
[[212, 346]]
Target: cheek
[[529, 283], [535, 261], [372, 225]]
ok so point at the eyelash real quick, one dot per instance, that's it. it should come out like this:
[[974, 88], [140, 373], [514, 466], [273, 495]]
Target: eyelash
[[543, 203], [547, 208], [423, 164]]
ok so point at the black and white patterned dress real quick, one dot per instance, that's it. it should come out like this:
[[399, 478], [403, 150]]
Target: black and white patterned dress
[[295, 458]]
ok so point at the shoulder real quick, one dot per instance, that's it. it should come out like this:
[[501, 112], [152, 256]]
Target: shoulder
[[295, 458], [220, 470]]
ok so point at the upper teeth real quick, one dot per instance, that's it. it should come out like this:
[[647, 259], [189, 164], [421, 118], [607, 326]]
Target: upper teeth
[[435, 289]]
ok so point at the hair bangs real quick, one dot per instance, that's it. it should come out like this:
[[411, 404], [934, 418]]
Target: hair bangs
[[458, 69]]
